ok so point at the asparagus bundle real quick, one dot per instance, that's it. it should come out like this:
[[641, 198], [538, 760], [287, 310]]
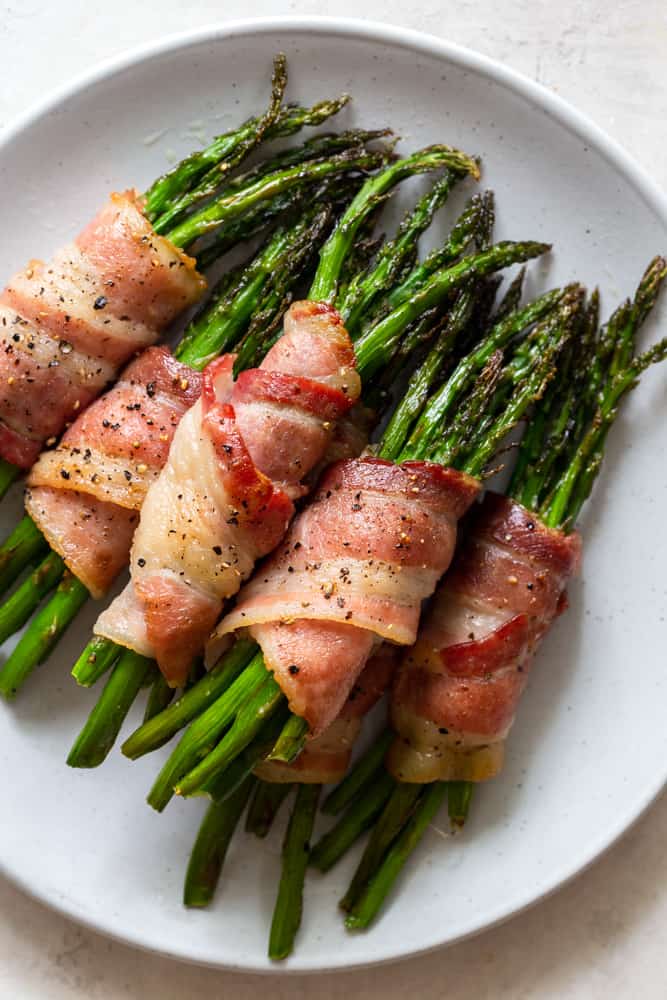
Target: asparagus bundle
[[559, 459], [27, 544]]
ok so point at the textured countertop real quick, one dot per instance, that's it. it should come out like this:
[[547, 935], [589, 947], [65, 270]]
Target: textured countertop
[[601, 936]]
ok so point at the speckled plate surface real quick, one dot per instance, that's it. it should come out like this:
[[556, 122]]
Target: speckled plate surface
[[589, 749]]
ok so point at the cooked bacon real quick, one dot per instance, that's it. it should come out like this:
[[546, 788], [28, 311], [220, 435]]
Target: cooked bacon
[[326, 758], [68, 325], [224, 498], [84, 495], [457, 691], [354, 569]]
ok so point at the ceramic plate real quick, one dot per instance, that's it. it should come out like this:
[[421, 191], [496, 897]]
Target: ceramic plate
[[589, 750]]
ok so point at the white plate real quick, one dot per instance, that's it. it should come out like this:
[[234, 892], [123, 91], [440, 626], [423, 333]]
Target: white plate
[[589, 750]]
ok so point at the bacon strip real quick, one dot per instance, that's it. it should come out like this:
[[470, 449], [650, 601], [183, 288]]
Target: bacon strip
[[326, 758], [68, 325], [354, 569], [457, 691], [84, 495], [224, 498]]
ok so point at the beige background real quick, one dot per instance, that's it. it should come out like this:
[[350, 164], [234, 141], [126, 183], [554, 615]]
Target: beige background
[[604, 935]]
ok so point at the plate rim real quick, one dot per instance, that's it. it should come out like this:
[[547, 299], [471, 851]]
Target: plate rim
[[568, 116]]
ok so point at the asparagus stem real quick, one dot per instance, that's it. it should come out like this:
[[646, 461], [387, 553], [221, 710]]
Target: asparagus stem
[[25, 544], [103, 724], [229, 207], [223, 783], [43, 633], [15, 612], [159, 697], [290, 743], [252, 715], [374, 345], [8, 475], [296, 846], [367, 906], [355, 821], [395, 814], [338, 247], [459, 796], [98, 656], [202, 735], [210, 847], [264, 806], [360, 776]]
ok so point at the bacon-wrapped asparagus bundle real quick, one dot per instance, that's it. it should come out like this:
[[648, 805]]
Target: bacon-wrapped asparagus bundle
[[225, 496], [391, 533], [457, 691]]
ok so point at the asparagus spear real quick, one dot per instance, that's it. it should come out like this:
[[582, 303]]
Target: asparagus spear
[[159, 697], [352, 824], [126, 679], [335, 251], [210, 847], [156, 732], [289, 904], [98, 656], [15, 612], [363, 292], [368, 903], [266, 801], [396, 813], [205, 731], [359, 777], [202, 171]]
